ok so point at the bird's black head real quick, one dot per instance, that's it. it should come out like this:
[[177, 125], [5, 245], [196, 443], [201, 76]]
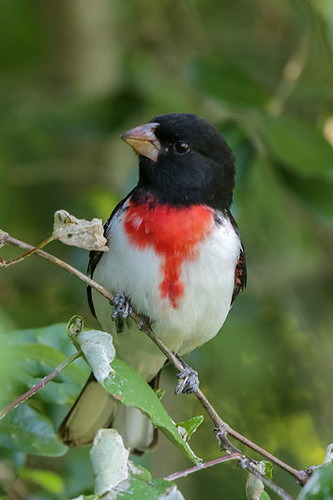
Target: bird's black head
[[184, 160]]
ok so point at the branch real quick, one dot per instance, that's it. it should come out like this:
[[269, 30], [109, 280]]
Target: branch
[[246, 463], [24, 256], [204, 465], [222, 428], [38, 386], [6, 239]]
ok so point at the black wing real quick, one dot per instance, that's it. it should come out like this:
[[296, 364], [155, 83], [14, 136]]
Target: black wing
[[240, 275], [240, 269], [95, 255]]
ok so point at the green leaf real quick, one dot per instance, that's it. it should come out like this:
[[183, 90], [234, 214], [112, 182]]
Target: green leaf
[[160, 393], [59, 393], [320, 485], [26, 430], [9, 363], [30, 363], [128, 387], [158, 489], [139, 472], [314, 194], [222, 79], [187, 428], [299, 146], [48, 480], [136, 489], [115, 474], [268, 469], [53, 336], [38, 360], [32, 355]]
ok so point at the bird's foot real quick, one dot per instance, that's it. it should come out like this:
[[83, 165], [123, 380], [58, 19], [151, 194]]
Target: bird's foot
[[188, 380], [122, 309], [122, 306]]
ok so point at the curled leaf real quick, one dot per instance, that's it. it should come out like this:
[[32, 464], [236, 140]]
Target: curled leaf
[[109, 459], [3, 238], [75, 325], [79, 232], [99, 352], [187, 428], [254, 486]]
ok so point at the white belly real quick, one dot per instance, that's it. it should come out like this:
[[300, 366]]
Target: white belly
[[208, 281]]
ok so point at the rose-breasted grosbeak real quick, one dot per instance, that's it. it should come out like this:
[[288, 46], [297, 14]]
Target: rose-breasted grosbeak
[[175, 256]]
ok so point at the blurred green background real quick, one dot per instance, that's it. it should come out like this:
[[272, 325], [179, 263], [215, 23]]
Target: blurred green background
[[75, 74]]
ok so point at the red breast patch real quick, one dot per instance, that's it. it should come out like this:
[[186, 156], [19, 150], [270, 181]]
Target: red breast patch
[[174, 233]]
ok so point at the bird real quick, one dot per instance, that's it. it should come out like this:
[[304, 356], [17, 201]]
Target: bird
[[175, 257]]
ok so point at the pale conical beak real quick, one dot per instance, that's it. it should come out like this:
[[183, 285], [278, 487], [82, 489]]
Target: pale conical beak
[[143, 140]]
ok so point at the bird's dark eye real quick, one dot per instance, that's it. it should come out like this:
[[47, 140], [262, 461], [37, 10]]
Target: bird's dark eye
[[181, 147]]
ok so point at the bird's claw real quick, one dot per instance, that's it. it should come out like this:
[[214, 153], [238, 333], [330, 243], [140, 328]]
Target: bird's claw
[[122, 309], [122, 306], [188, 381]]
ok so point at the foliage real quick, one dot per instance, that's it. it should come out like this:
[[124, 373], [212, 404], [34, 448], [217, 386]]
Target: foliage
[[320, 485]]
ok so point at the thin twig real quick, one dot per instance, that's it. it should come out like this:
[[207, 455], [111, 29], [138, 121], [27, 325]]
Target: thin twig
[[143, 324], [244, 462], [40, 385], [32, 250], [247, 463], [301, 476], [6, 239], [204, 465]]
